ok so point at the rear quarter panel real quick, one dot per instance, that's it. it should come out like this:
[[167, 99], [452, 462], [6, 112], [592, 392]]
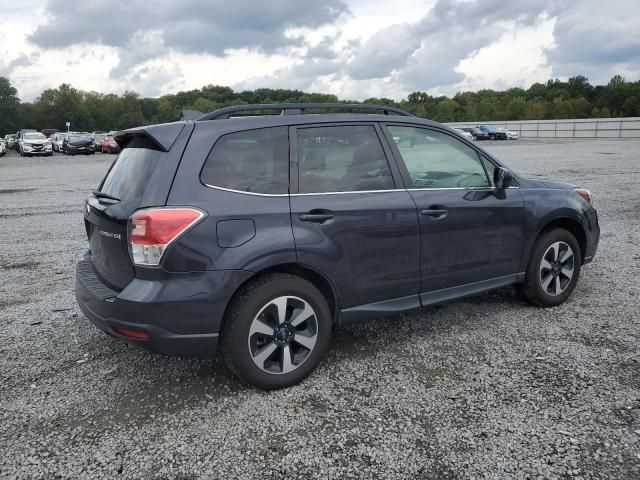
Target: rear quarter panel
[[232, 214]]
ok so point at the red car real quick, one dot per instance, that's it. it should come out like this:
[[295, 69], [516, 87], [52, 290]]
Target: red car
[[109, 145]]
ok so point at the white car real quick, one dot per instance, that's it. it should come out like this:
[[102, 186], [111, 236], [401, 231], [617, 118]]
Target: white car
[[34, 143], [56, 141], [3, 147], [511, 135], [10, 141], [464, 133]]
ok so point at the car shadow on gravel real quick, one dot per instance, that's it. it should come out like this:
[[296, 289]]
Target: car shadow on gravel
[[153, 386], [360, 339]]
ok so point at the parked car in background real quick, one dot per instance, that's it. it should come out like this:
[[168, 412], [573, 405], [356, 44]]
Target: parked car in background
[[49, 131], [10, 141], [109, 145], [3, 147], [476, 133], [32, 142], [493, 132], [465, 134], [56, 141], [199, 237], [76, 143], [97, 138], [512, 134]]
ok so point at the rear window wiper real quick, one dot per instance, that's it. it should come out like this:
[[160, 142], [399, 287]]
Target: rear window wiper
[[104, 196]]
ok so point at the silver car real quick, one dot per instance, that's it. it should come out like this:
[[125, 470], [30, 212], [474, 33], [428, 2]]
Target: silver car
[[465, 134], [10, 141], [34, 143], [56, 141]]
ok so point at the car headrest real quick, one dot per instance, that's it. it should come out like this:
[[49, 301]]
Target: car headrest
[[315, 160], [366, 154]]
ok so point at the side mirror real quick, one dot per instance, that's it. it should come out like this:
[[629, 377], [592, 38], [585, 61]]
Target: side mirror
[[503, 178]]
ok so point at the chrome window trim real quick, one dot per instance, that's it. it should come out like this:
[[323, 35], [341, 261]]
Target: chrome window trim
[[302, 194], [247, 193], [481, 189], [487, 189], [350, 192]]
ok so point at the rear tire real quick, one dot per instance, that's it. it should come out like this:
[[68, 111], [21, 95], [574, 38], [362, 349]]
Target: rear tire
[[276, 331], [554, 268]]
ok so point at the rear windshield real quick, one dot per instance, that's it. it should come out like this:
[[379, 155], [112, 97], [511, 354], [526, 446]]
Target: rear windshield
[[130, 173]]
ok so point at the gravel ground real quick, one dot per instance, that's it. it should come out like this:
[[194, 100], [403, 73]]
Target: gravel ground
[[487, 387]]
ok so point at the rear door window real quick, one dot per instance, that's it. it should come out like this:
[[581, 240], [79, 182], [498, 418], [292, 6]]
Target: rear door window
[[345, 158], [128, 177], [255, 161]]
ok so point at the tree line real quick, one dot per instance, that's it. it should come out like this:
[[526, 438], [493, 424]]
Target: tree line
[[92, 111]]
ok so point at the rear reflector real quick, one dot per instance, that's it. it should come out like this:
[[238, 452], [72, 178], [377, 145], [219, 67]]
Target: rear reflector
[[585, 194], [152, 231], [133, 334]]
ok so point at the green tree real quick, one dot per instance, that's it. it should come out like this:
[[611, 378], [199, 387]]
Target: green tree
[[9, 104], [517, 109], [631, 107], [536, 110], [579, 86]]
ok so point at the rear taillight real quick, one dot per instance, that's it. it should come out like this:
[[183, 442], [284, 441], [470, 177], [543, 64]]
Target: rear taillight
[[152, 230]]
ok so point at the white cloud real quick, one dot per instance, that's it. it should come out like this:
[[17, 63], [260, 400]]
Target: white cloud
[[517, 58], [355, 49]]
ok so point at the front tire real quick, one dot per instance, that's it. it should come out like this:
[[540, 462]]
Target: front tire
[[554, 268], [276, 331]]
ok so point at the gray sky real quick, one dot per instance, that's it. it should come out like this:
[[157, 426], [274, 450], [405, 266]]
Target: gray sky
[[353, 48]]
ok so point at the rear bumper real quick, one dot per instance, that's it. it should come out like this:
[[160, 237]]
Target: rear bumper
[[181, 314]]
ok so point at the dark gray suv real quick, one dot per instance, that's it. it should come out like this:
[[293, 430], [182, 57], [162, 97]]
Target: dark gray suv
[[258, 235]]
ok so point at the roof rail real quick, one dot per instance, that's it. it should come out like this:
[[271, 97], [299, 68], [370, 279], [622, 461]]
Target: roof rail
[[301, 108]]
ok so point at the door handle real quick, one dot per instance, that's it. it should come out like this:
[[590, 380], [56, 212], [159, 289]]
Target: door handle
[[434, 213], [316, 217]]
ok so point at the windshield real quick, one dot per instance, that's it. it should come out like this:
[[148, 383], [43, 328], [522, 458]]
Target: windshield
[[128, 177], [34, 136], [78, 138], [99, 137]]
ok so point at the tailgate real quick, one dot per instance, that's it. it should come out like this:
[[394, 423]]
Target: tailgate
[[108, 243], [108, 211]]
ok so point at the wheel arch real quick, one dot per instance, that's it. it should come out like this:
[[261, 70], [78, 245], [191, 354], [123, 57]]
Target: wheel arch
[[318, 279], [572, 225]]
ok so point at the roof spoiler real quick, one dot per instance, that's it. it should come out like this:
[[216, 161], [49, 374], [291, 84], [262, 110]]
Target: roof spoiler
[[156, 137]]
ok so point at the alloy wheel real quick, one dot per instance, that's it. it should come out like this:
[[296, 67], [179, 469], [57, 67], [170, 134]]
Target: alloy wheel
[[282, 335], [556, 268]]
